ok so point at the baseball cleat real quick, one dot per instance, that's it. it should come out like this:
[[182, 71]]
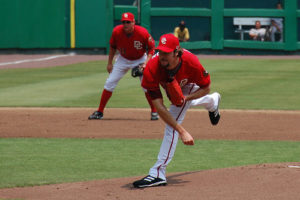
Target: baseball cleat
[[154, 116], [149, 181], [215, 116], [96, 115]]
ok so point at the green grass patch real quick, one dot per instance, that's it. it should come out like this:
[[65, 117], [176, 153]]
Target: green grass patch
[[256, 83], [28, 162], [243, 84]]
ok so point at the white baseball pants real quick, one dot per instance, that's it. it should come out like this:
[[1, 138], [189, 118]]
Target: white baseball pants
[[120, 68], [168, 146]]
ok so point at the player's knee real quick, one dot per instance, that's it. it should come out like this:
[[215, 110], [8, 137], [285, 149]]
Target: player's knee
[[110, 88]]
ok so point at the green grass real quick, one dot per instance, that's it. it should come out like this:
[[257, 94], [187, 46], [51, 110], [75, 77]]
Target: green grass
[[244, 84], [257, 84], [27, 162]]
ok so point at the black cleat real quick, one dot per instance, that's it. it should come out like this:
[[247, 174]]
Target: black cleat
[[149, 181], [214, 116], [154, 116], [96, 115]]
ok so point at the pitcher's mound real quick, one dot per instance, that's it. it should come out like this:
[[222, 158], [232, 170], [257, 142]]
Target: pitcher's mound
[[267, 182]]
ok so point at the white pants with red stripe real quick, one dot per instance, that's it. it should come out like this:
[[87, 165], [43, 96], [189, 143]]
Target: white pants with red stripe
[[120, 68], [168, 146]]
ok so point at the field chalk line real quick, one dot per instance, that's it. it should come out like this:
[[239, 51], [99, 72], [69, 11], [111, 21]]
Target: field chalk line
[[294, 166], [36, 59]]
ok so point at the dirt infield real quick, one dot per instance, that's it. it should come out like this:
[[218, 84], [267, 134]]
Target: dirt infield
[[276, 181], [268, 182], [73, 123], [44, 60]]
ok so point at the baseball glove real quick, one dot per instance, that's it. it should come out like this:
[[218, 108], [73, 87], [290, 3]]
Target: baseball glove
[[175, 93], [137, 71]]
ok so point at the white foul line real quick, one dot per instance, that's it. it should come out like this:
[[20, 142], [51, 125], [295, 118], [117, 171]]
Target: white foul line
[[35, 60], [294, 166]]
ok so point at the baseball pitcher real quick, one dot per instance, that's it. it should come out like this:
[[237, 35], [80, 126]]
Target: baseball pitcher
[[187, 84]]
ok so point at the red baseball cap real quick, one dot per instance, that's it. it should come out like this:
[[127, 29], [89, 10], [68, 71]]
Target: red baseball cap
[[168, 43], [127, 17]]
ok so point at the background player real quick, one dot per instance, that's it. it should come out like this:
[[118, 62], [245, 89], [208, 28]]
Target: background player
[[175, 65], [132, 42]]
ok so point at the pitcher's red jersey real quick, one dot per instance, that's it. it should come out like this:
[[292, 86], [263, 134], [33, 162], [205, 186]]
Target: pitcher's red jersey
[[133, 46], [191, 71]]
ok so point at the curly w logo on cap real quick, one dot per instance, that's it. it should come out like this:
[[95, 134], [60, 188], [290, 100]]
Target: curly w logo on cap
[[127, 17], [168, 43], [163, 40]]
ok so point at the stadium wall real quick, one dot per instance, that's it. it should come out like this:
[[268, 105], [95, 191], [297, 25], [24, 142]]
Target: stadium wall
[[50, 24], [34, 24]]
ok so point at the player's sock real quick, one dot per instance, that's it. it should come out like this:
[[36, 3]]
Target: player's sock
[[153, 109], [104, 99]]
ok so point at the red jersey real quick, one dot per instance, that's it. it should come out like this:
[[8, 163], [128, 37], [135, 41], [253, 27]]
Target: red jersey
[[134, 46], [190, 71]]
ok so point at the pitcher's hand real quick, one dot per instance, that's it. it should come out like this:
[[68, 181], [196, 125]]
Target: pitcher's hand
[[109, 68], [186, 138]]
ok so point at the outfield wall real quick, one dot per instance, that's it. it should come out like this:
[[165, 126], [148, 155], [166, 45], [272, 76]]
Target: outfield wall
[[34, 24], [48, 23], [88, 24]]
